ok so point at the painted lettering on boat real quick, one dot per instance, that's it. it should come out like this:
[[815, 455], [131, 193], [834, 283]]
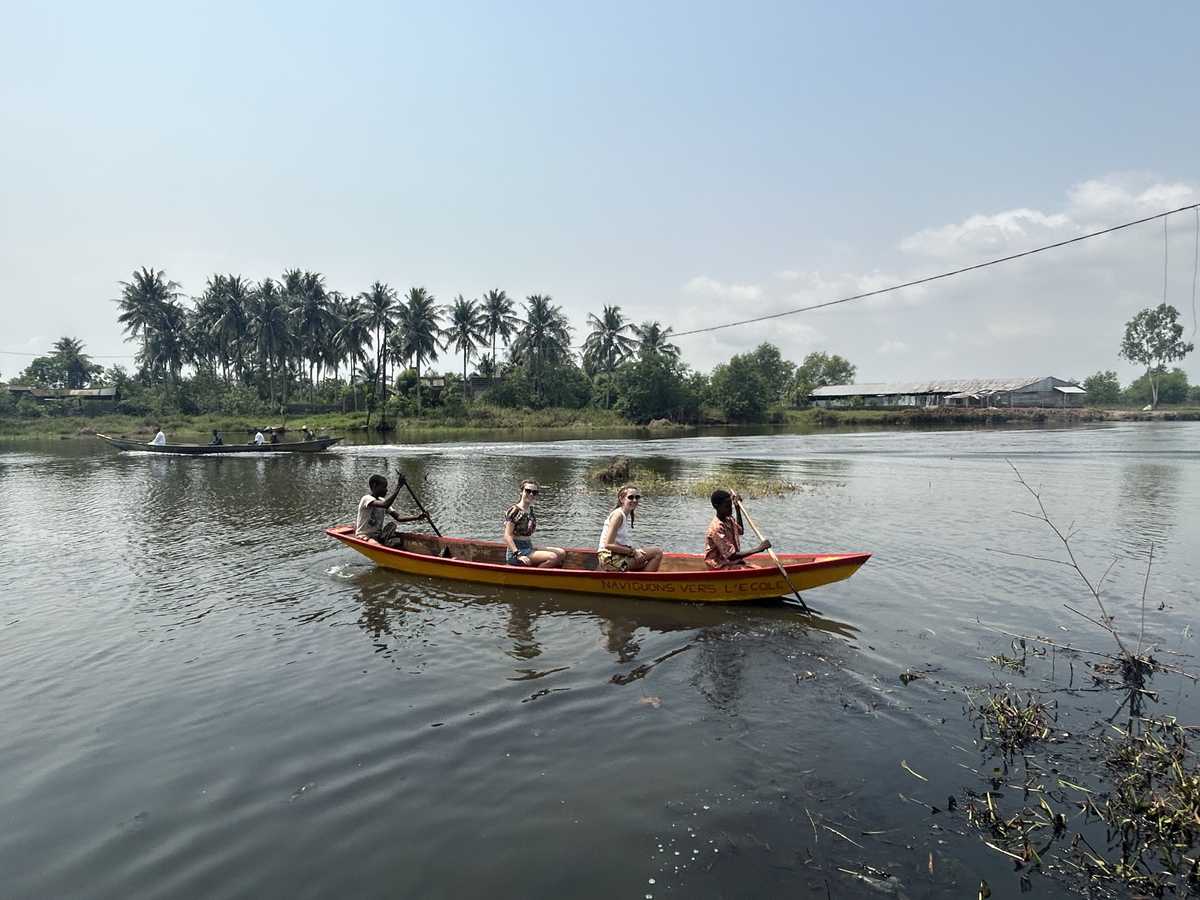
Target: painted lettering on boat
[[677, 587]]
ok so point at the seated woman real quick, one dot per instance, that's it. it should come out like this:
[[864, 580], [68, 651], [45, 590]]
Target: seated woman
[[520, 522], [617, 551]]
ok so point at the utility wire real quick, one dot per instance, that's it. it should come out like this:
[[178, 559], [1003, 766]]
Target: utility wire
[[907, 284], [929, 278], [1166, 246], [88, 355], [1195, 269]]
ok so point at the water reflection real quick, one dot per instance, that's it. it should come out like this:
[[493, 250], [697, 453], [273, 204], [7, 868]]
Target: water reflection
[[387, 601], [1146, 505]]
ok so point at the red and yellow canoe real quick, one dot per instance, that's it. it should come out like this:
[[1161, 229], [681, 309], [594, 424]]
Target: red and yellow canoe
[[683, 576]]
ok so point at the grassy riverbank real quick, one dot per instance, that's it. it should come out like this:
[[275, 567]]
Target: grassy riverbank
[[182, 427], [498, 418]]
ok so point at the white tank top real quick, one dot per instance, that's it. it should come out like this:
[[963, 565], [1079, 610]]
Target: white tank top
[[624, 535]]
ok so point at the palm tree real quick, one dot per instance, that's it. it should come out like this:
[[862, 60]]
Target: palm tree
[[381, 308], [467, 330], [545, 337], [353, 335], [223, 312], [311, 311], [608, 345], [141, 302], [165, 345], [652, 340], [499, 319], [420, 327], [75, 366], [270, 323]]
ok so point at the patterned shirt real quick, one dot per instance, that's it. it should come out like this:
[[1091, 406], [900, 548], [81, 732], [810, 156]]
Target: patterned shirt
[[523, 520], [721, 541]]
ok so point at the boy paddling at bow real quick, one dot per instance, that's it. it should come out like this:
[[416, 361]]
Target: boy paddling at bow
[[374, 509]]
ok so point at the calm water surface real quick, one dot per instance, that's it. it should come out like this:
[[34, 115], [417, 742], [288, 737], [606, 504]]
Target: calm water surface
[[203, 696]]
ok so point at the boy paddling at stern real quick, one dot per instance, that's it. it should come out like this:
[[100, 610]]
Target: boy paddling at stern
[[723, 540], [373, 510]]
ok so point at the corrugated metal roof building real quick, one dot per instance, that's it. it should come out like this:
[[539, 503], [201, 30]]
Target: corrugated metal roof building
[[1041, 392]]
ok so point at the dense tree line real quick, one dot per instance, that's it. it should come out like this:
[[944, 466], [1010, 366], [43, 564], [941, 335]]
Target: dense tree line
[[275, 342]]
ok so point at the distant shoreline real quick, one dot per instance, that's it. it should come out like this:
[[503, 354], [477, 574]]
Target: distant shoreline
[[920, 417], [571, 422]]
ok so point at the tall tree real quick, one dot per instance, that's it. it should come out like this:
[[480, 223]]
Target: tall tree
[[543, 339], [652, 340], [820, 370], [313, 321], [353, 336], [500, 320], [141, 303], [223, 312], [607, 345], [419, 331], [66, 366], [1152, 339], [76, 367], [270, 323], [165, 346], [381, 308], [466, 331]]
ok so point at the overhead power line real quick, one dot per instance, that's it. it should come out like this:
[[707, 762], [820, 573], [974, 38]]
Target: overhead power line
[[88, 355], [885, 290], [929, 278]]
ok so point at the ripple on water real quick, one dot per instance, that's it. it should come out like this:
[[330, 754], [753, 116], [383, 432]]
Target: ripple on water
[[205, 696]]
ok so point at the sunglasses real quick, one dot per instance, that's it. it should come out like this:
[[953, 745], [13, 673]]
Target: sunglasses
[[530, 491], [634, 496]]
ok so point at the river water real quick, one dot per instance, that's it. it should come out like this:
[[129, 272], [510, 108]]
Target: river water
[[204, 696]]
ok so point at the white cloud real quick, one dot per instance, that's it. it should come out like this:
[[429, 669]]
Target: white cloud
[[1061, 312], [989, 234], [702, 284]]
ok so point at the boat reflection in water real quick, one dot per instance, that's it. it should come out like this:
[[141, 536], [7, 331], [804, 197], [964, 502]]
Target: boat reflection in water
[[400, 609]]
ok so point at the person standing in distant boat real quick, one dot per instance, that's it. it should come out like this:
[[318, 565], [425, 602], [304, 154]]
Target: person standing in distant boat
[[259, 439], [160, 439], [520, 522], [374, 509], [274, 436], [723, 540], [617, 552], [217, 440]]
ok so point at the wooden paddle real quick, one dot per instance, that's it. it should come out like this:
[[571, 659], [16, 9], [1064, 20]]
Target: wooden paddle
[[782, 571], [428, 517]]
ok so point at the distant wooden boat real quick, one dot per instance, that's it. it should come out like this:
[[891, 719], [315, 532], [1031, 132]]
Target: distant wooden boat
[[682, 577], [313, 446]]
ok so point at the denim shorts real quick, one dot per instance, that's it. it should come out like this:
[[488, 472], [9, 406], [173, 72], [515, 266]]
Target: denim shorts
[[524, 548]]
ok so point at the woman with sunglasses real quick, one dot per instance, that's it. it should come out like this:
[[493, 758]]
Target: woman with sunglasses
[[617, 552], [520, 522]]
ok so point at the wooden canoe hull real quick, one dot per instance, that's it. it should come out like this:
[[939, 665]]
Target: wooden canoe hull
[[684, 577], [313, 446]]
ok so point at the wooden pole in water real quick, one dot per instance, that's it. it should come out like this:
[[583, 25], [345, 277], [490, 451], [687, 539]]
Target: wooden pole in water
[[775, 557]]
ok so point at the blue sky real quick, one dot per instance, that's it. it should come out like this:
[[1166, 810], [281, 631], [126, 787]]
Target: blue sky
[[690, 162]]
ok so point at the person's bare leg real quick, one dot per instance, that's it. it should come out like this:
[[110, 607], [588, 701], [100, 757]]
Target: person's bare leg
[[654, 558], [543, 557], [553, 558]]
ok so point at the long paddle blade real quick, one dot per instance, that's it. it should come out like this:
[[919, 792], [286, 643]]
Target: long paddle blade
[[771, 550]]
